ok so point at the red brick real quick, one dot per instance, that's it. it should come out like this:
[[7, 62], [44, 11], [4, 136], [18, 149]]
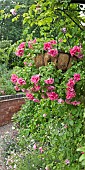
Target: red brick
[[8, 108]]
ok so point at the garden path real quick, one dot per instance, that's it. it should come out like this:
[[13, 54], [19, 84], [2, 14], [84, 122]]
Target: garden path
[[3, 130]]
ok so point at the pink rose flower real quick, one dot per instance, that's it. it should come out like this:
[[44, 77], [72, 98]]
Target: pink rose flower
[[37, 88], [19, 52], [75, 103], [41, 150], [50, 88], [35, 146], [75, 50], [70, 94], [31, 42], [47, 46], [43, 96], [68, 101], [16, 88], [36, 100], [25, 63], [53, 52], [29, 96], [52, 95], [35, 78], [21, 81], [49, 81], [77, 77], [71, 83], [53, 42], [14, 78], [22, 45], [60, 100]]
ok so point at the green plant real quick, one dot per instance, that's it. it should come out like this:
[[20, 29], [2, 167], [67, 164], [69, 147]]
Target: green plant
[[57, 128], [6, 87]]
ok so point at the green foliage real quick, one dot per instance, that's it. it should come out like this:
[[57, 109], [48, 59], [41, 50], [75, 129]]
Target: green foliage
[[58, 128], [82, 157], [4, 46], [49, 18], [6, 87]]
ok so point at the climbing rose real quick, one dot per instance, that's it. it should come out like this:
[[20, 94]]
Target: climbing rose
[[14, 78], [19, 52], [47, 46], [50, 88], [52, 95], [71, 83], [53, 42], [22, 45], [36, 100], [31, 42], [75, 50], [76, 77], [16, 88], [35, 78], [49, 81], [37, 88], [53, 52], [75, 103], [29, 96], [70, 94], [21, 81]]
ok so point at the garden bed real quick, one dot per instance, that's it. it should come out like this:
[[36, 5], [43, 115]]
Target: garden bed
[[10, 104]]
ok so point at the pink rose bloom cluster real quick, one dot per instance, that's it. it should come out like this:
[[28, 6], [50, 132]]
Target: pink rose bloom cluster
[[76, 51], [50, 88], [52, 95], [35, 79], [29, 96], [31, 42], [35, 88], [53, 52], [48, 46], [70, 91], [17, 81], [49, 81], [14, 78], [21, 81], [20, 51]]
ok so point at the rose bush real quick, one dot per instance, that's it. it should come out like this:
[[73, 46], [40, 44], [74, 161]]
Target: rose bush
[[51, 123]]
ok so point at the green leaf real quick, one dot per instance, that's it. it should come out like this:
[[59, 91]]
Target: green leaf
[[82, 157]]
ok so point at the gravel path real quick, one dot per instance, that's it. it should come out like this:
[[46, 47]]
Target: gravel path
[[4, 129]]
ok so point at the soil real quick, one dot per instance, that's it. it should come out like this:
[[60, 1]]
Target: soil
[[4, 129]]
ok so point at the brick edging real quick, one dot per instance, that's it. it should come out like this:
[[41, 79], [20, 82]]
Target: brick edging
[[8, 107]]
